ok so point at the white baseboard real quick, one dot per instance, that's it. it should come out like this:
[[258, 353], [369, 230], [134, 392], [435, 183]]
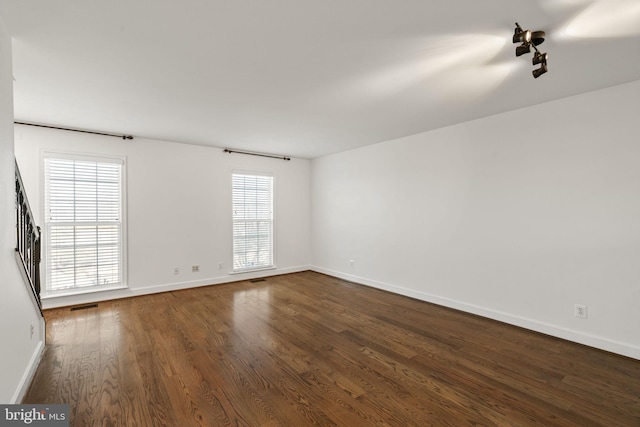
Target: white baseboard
[[27, 377], [132, 291], [624, 349]]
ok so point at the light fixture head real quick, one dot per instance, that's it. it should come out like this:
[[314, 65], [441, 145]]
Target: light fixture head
[[539, 71], [521, 36], [522, 49], [539, 58], [537, 37]]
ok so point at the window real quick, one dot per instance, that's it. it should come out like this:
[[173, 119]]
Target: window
[[83, 223], [252, 196]]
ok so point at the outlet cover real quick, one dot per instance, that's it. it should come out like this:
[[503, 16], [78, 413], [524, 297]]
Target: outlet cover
[[580, 311]]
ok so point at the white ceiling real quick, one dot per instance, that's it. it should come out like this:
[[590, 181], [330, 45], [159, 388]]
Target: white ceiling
[[304, 78]]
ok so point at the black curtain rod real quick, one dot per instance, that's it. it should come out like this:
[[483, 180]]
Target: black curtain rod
[[226, 150], [75, 130]]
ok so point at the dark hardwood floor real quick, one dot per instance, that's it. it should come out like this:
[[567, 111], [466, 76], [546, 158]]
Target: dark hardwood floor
[[307, 349]]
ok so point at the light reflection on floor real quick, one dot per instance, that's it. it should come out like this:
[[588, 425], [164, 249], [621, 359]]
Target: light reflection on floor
[[252, 309]]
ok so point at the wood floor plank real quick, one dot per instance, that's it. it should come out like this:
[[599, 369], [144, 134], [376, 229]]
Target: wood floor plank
[[309, 349]]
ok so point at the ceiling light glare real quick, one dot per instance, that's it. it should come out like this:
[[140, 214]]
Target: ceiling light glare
[[441, 59], [607, 18], [556, 7]]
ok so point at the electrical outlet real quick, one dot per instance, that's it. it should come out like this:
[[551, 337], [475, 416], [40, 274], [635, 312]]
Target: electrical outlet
[[33, 330], [176, 271], [195, 268], [219, 266], [351, 262], [580, 310]]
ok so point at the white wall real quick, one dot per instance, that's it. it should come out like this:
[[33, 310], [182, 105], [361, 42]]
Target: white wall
[[516, 217], [179, 208], [19, 351]]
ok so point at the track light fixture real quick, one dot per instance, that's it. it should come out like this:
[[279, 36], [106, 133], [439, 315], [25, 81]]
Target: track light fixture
[[529, 39]]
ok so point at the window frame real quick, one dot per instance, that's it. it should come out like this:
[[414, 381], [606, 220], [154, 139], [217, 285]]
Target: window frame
[[123, 271], [272, 243]]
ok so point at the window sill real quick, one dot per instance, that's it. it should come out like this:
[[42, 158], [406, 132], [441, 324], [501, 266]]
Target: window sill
[[253, 270], [81, 291]]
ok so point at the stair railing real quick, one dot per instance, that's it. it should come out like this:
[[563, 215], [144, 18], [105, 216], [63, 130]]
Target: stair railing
[[28, 244]]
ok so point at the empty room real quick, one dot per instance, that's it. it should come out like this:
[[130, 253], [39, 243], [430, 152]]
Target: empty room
[[295, 213]]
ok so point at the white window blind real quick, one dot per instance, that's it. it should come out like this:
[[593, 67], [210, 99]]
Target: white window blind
[[84, 228], [252, 221]]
